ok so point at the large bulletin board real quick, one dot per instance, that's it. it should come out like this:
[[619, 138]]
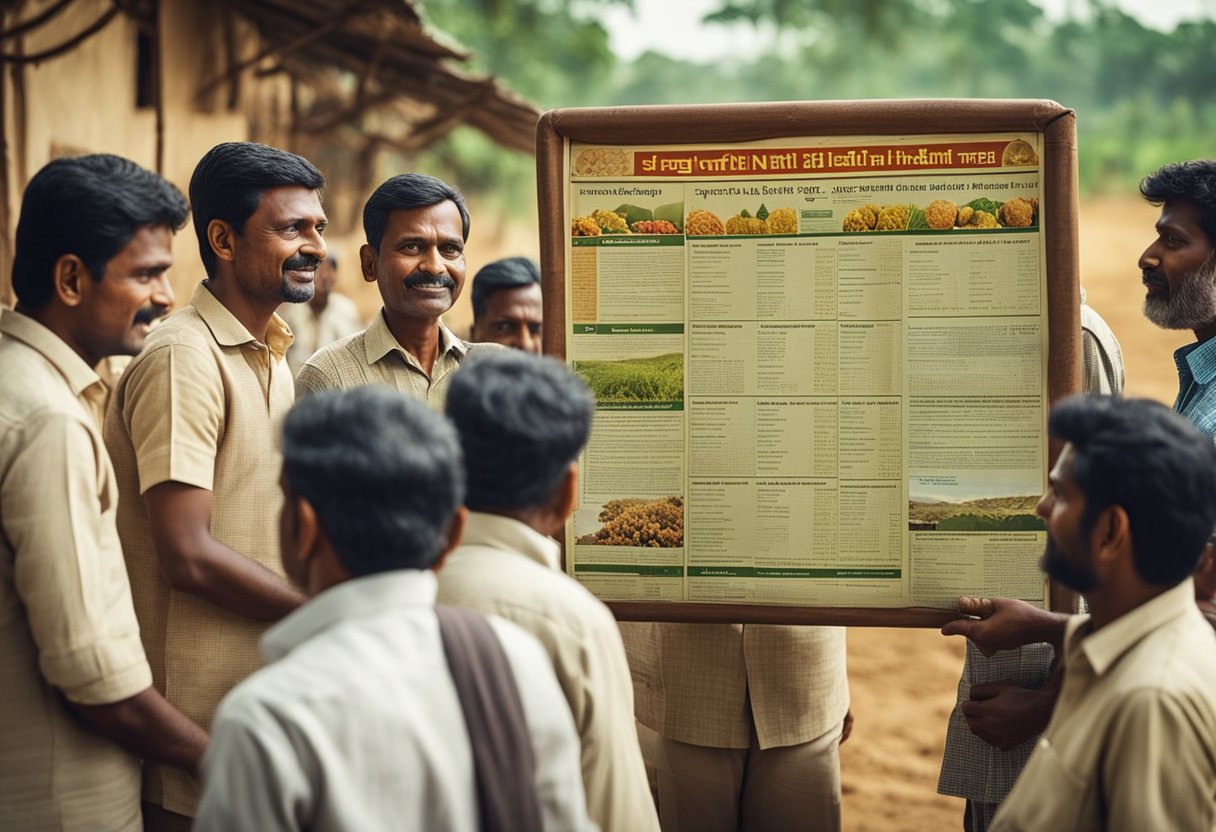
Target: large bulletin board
[[824, 338]]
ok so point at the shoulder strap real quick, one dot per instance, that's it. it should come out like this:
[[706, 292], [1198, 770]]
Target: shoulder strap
[[504, 764]]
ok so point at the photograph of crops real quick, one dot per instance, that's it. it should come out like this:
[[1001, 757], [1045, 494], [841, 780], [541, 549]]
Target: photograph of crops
[[656, 379], [985, 514], [658, 524], [944, 215]]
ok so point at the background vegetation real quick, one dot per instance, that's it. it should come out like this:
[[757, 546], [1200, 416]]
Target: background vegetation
[[1142, 96], [657, 379]]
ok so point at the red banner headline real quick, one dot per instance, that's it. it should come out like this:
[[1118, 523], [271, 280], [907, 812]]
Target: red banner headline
[[799, 160]]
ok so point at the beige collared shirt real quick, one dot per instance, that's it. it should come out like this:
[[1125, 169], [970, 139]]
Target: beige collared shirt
[[505, 568], [1132, 741], [374, 357], [200, 405], [66, 621]]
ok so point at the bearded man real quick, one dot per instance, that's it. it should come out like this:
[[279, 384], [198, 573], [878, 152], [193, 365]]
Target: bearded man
[[1179, 269]]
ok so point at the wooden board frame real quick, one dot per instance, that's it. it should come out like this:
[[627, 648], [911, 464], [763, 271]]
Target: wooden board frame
[[731, 123]]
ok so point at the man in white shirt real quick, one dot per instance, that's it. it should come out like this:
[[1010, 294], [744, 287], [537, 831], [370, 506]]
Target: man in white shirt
[[523, 421], [357, 721]]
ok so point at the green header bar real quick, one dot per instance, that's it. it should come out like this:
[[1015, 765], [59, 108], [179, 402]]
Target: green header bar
[[641, 240], [782, 572], [629, 329], [630, 569]]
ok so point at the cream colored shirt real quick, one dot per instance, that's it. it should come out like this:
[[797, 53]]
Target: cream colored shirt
[[200, 405], [694, 682], [374, 357], [355, 724], [311, 331], [505, 568], [1132, 741], [66, 621]]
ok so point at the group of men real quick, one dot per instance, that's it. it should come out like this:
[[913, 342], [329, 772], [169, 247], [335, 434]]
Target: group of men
[[379, 533]]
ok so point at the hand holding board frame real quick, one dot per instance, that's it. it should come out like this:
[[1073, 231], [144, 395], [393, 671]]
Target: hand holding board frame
[[824, 337]]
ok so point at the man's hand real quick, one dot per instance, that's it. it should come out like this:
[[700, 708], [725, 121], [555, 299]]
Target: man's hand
[[847, 729], [1005, 715], [1005, 623]]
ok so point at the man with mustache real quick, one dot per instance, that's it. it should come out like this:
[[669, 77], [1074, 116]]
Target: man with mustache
[[1132, 740], [416, 227], [1179, 273], [192, 432], [77, 706]]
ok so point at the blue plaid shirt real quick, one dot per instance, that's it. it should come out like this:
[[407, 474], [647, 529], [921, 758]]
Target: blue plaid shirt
[[1196, 391]]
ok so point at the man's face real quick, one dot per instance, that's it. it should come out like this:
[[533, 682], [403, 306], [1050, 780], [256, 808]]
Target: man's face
[[275, 257], [324, 279], [420, 266], [117, 311], [1179, 270], [1067, 557], [513, 318]]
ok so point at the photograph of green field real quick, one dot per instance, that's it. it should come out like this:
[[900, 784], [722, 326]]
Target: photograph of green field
[[656, 379], [987, 514]]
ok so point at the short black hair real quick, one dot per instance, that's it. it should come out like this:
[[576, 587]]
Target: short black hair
[[404, 192], [508, 273], [1193, 181], [522, 420], [382, 471], [90, 206], [1140, 455], [229, 181]]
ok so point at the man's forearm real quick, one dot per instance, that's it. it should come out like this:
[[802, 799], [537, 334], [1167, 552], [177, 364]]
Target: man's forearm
[[149, 726], [231, 581]]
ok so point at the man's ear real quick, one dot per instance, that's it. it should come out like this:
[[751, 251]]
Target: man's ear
[[1111, 536], [70, 275], [454, 534], [308, 530], [221, 237], [367, 262], [566, 495]]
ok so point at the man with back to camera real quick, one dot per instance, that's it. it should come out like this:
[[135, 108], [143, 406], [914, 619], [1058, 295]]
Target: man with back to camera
[[77, 705], [1132, 741], [416, 227], [328, 316], [361, 720], [523, 420], [507, 304], [191, 428]]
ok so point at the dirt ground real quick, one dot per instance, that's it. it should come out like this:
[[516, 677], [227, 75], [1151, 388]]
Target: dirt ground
[[903, 681]]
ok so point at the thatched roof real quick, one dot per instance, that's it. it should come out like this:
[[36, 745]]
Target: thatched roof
[[372, 64]]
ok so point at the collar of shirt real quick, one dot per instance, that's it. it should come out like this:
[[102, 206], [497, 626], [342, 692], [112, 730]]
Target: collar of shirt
[[79, 376], [379, 342], [1197, 360], [497, 532], [1104, 648], [229, 332], [363, 597]]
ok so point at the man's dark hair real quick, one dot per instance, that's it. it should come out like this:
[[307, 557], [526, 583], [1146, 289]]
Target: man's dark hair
[[508, 273], [1193, 181], [382, 471], [403, 192], [229, 181], [90, 206], [1140, 455], [522, 420]]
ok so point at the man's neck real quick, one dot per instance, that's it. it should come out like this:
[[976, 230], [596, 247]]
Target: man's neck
[[253, 313], [318, 303], [417, 336], [1112, 603], [1205, 332], [539, 520]]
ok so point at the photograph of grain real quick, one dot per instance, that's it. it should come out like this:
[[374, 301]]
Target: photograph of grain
[[629, 219], [604, 161], [944, 215], [658, 378], [658, 524]]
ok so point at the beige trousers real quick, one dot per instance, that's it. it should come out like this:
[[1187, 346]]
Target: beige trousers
[[795, 787]]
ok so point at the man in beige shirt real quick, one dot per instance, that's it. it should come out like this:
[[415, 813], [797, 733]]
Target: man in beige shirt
[[1132, 741], [77, 706], [192, 432], [416, 228], [330, 315], [523, 421]]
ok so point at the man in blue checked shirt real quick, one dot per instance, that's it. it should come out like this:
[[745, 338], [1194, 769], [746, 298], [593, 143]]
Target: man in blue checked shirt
[[1179, 270]]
